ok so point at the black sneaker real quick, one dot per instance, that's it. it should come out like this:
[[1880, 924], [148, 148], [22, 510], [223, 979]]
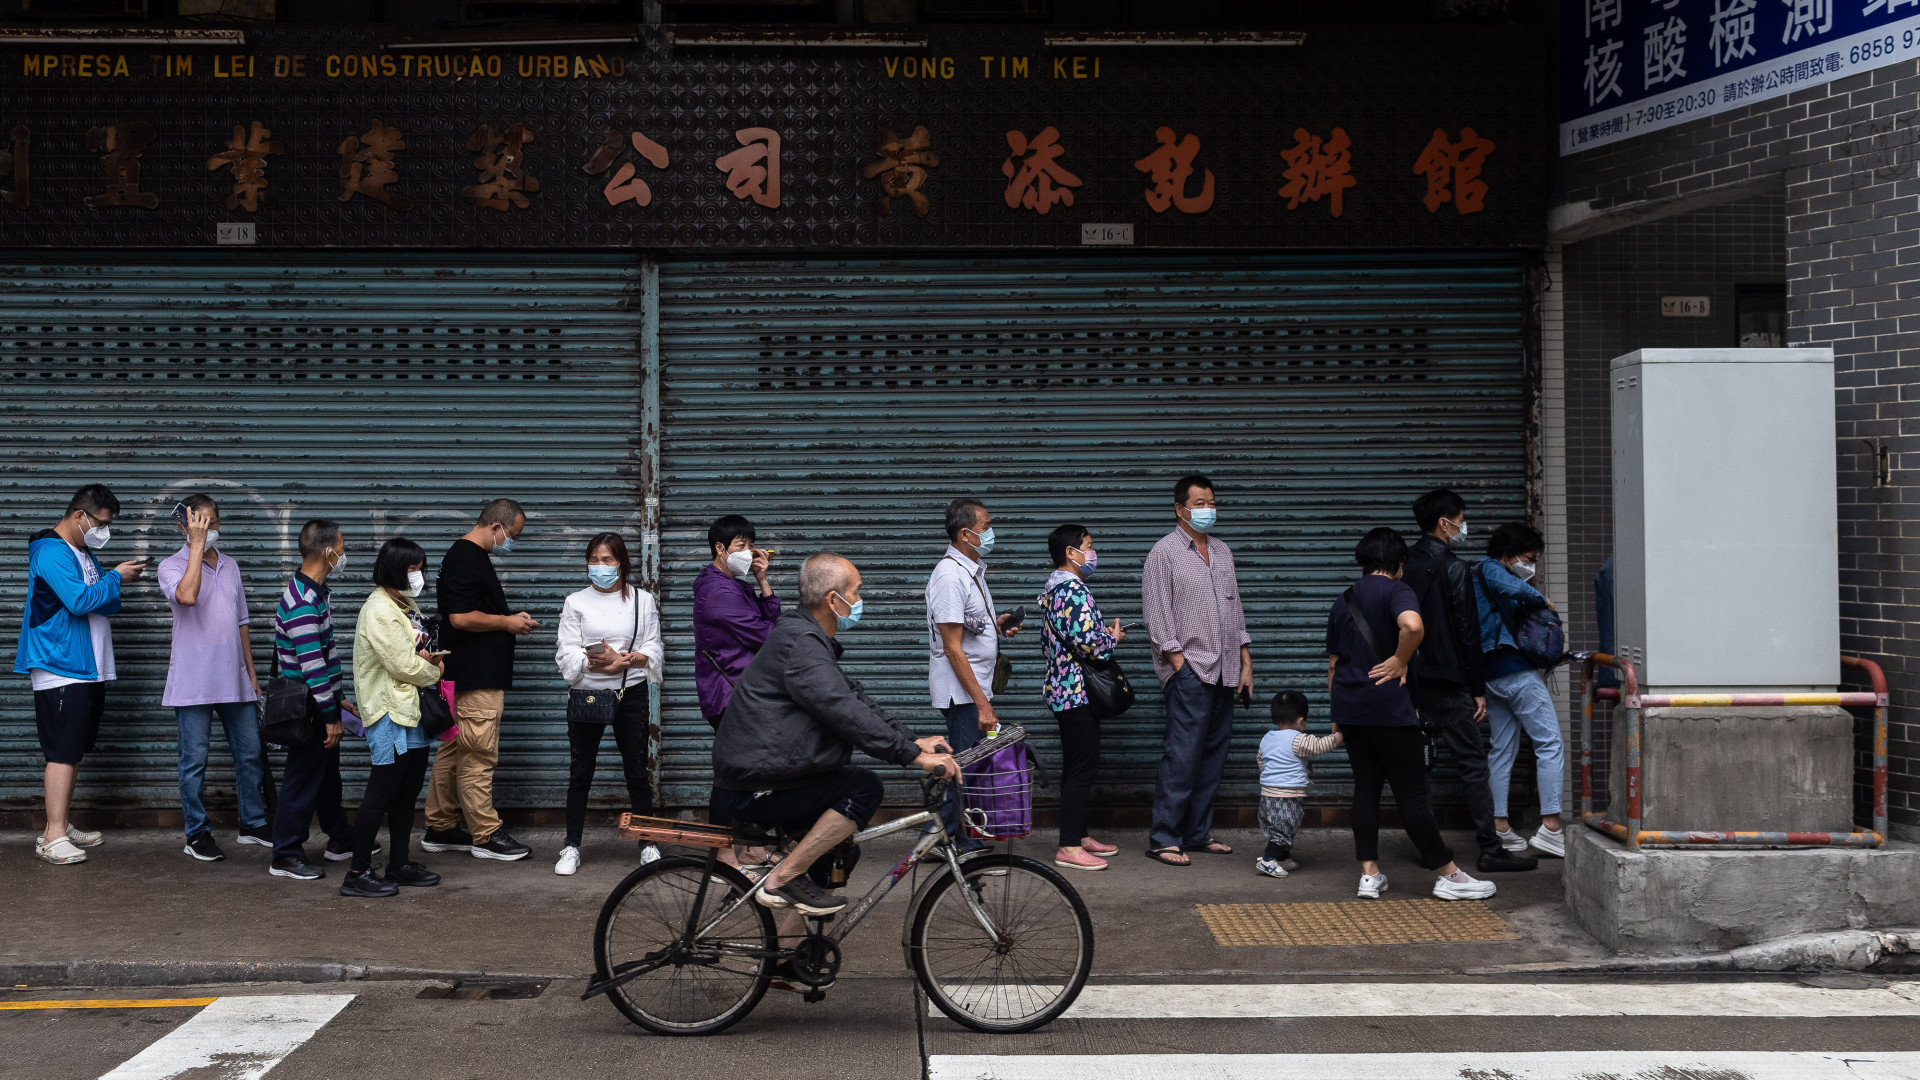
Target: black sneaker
[[454, 839], [412, 874], [258, 835], [802, 895], [295, 866], [498, 846], [363, 883], [201, 846], [342, 851], [1503, 863]]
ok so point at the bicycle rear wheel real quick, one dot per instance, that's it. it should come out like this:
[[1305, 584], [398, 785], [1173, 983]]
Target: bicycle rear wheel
[[694, 991], [1024, 978]]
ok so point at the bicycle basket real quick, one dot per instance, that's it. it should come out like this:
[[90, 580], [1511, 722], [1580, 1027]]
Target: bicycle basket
[[997, 794]]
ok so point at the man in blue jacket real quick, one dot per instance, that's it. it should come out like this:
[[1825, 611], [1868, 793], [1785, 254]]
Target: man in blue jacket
[[1517, 695], [66, 648]]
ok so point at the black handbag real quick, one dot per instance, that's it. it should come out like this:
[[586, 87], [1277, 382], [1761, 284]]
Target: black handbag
[[435, 716], [286, 714], [1108, 690], [602, 706]]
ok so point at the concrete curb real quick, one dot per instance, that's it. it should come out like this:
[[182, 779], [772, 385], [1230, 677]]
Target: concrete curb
[[52, 973]]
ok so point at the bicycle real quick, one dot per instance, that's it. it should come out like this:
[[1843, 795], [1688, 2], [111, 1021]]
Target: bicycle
[[682, 947]]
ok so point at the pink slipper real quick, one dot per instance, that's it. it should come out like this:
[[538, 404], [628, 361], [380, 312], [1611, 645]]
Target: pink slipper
[[1078, 860], [1095, 847]]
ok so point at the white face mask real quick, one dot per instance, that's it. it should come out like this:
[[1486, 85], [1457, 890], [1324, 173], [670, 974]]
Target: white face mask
[[96, 537], [1524, 570], [338, 563], [213, 537], [416, 581], [740, 562]]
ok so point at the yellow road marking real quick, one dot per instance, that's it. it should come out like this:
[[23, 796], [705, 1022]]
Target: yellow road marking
[[110, 1003]]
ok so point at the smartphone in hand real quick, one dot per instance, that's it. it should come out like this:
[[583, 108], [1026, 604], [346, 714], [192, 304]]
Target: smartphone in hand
[[597, 648], [1246, 698]]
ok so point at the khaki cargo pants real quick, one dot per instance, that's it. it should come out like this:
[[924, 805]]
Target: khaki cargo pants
[[462, 784]]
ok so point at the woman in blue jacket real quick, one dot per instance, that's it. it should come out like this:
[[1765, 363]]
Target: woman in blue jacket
[[1517, 695]]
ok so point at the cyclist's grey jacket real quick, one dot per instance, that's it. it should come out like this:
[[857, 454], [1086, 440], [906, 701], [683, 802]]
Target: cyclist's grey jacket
[[795, 715]]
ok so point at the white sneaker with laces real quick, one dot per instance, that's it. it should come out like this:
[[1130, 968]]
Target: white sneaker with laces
[[1511, 840], [1462, 886], [60, 853], [569, 863], [1548, 842], [83, 837], [1372, 885], [1270, 867], [648, 853]]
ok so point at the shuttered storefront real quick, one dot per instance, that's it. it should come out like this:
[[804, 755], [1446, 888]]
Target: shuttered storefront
[[394, 395], [841, 404]]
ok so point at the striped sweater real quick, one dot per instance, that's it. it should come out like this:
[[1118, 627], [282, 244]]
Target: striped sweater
[[303, 643]]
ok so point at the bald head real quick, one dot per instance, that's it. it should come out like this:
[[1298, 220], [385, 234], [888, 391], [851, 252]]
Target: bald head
[[823, 573]]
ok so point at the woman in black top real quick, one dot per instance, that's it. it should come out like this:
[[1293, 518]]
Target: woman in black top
[[1373, 708]]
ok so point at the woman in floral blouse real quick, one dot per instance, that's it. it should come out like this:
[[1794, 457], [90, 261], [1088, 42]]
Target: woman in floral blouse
[[1073, 627]]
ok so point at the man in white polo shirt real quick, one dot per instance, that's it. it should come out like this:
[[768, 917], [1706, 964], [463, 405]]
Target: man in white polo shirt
[[963, 635]]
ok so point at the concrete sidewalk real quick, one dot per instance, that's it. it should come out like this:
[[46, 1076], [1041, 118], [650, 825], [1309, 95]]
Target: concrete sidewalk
[[140, 912]]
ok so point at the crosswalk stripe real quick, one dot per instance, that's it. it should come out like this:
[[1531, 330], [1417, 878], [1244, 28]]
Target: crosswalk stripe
[[1561, 1065], [109, 1003], [1105, 1001], [235, 1038]]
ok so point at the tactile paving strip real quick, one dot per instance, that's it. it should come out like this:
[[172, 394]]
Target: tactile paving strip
[[1362, 922]]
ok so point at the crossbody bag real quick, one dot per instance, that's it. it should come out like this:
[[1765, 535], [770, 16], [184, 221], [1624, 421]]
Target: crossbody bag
[[601, 706]]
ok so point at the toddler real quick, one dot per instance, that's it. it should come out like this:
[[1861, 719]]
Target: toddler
[[1283, 779]]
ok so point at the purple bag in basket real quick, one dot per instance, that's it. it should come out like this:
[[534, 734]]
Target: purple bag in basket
[[997, 792]]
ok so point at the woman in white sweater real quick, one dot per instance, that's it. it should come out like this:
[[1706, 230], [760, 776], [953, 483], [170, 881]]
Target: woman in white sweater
[[609, 650]]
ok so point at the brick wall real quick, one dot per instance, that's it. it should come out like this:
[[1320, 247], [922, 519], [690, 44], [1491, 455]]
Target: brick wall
[[1844, 233]]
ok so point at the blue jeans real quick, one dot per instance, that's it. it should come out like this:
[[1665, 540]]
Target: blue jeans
[[242, 724], [963, 733], [1515, 701], [1199, 727]]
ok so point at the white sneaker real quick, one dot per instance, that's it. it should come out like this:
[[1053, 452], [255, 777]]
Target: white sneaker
[[1511, 840], [1462, 886], [569, 863], [1270, 867], [60, 853], [648, 853], [82, 837], [1372, 885], [1548, 842]]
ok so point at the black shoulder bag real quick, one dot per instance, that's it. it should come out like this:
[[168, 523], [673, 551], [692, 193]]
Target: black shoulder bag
[[286, 713], [601, 706], [1108, 690]]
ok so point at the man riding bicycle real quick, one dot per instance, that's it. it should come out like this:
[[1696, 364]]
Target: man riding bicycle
[[783, 750]]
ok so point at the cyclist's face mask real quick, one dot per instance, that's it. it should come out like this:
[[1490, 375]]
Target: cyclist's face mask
[[854, 607]]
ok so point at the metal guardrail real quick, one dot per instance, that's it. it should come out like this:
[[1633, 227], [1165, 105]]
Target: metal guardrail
[[1629, 695]]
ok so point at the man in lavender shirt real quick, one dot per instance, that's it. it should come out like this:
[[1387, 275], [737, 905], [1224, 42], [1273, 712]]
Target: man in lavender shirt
[[211, 673], [730, 617]]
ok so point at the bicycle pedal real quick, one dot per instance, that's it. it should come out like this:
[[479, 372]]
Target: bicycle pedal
[[814, 996]]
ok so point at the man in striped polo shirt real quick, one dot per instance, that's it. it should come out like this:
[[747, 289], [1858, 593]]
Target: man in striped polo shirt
[[303, 649]]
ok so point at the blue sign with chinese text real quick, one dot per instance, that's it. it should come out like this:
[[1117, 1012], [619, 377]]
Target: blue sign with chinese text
[[1633, 66]]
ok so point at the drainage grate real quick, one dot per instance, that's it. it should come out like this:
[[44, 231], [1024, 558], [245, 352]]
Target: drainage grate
[[483, 988], [1364, 922]]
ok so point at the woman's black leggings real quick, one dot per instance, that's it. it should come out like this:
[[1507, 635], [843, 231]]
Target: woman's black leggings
[[392, 791], [1079, 761], [630, 735], [1397, 756]]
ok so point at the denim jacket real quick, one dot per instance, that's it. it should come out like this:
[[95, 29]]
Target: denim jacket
[[1497, 592]]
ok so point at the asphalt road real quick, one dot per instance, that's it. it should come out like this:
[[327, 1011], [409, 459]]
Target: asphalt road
[[876, 1027]]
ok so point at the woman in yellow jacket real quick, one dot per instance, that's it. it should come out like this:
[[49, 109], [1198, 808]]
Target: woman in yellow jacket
[[391, 669]]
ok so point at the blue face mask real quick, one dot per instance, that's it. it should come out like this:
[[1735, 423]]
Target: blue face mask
[[606, 577], [853, 614], [1203, 518], [985, 546]]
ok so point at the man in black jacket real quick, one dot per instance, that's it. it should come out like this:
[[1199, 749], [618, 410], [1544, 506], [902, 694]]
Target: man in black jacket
[[783, 751], [1447, 666]]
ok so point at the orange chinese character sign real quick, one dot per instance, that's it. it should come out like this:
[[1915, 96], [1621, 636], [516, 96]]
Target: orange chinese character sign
[[1171, 167], [120, 147], [504, 179], [247, 155], [753, 171], [366, 166], [1318, 169], [902, 169], [623, 187], [1037, 180], [1455, 165]]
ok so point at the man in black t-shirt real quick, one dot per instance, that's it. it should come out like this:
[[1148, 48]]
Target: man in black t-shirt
[[477, 630]]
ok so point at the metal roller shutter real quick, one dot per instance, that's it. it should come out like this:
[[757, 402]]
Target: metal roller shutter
[[841, 404], [393, 396]]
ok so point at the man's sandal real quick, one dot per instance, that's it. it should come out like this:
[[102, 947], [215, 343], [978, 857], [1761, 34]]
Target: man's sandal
[[1212, 847], [1160, 855]]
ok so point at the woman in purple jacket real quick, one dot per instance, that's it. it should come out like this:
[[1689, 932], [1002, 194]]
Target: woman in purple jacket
[[731, 616]]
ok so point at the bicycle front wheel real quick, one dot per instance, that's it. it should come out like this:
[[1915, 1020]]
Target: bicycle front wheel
[[695, 988], [1024, 975]]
